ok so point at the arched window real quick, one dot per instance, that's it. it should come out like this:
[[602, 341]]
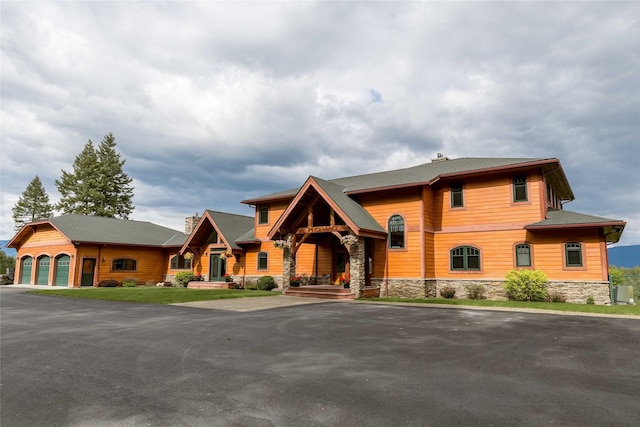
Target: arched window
[[262, 261], [465, 258], [573, 254], [396, 232], [123, 264], [523, 255], [179, 262]]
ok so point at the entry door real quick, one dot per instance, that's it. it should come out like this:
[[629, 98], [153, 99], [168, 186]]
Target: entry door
[[88, 269], [217, 268], [25, 270], [340, 264], [43, 270], [62, 270]]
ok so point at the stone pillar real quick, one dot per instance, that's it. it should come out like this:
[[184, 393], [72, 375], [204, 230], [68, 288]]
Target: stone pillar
[[288, 265], [356, 269]]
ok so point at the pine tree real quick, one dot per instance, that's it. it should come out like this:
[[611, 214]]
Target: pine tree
[[98, 184], [115, 184], [33, 204]]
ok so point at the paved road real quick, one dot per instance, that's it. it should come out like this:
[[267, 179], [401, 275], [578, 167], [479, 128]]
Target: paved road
[[73, 362]]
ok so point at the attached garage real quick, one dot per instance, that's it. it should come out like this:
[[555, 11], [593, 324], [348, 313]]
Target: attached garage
[[62, 270], [25, 270]]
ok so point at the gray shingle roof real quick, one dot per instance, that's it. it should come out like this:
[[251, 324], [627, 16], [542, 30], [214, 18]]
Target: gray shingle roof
[[420, 174], [232, 226], [559, 217], [350, 207], [96, 229]]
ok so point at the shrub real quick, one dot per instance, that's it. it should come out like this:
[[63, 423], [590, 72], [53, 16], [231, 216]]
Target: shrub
[[448, 292], [590, 299], [526, 285], [266, 283], [475, 291], [130, 282], [109, 283], [555, 297], [183, 278], [150, 283]]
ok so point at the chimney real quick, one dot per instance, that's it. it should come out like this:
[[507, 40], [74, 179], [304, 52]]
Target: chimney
[[190, 223], [439, 158]]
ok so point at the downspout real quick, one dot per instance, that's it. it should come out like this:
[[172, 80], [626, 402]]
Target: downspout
[[386, 269], [315, 280]]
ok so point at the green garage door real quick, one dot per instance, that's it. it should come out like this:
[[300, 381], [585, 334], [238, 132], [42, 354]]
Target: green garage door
[[43, 270], [62, 270], [25, 270]]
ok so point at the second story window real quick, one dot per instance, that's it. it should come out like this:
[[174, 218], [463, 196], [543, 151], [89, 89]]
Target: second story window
[[263, 215], [456, 196], [396, 232], [520, 189]]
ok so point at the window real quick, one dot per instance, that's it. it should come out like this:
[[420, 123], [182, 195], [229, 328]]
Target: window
[[573, 254], [465, 258], [263, 215], [179, 262], [262, 260], [456, 196], [124, 264], [523, 255], [396, 232], [520, 189]]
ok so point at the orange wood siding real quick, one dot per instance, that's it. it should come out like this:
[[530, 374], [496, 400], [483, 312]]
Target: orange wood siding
[[150, 262], [488, 201], [274, 260], [45, 235], [405, 262], [275, 211]]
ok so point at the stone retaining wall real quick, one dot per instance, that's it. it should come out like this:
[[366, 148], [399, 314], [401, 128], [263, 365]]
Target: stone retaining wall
[[574, 292]]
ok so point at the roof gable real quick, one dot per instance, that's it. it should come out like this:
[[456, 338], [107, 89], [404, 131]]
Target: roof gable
[[229, 226]]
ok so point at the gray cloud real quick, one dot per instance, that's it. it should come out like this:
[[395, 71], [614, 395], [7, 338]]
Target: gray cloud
[[212, 103]]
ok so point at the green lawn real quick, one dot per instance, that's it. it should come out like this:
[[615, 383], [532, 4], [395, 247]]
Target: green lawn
[[154, 295], [583, 308]]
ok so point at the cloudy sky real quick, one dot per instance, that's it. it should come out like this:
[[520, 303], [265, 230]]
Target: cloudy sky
[[212, 103]]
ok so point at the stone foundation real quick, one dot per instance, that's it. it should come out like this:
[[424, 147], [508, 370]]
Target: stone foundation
[[573, 292]]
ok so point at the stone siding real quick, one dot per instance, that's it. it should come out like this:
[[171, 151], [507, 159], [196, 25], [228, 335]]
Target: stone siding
[[573, 292]]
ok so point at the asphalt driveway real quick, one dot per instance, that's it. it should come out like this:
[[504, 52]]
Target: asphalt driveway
[[74, 362]]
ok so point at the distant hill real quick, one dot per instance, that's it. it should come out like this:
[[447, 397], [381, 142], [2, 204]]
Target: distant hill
[[625, 256], [7, 251]]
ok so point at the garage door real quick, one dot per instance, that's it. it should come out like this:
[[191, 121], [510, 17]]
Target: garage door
[[25, 270], [62, 270], [43, 270]]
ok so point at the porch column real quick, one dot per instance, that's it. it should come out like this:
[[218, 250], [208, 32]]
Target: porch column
[[288, 265], [356, 269]]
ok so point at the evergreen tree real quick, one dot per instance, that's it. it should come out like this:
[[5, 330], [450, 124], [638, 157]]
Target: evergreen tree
[[33, 204], [6, 262], [98, 184]]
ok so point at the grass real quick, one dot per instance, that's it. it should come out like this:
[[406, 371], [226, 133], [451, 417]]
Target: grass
[[558, 306], [154, 295]]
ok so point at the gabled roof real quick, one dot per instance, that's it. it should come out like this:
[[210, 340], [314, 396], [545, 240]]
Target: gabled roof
[[561, 219], [97, 229], [354, 215], [430, 173], [229, 226]]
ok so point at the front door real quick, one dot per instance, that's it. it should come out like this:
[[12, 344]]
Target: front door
[[217, 268], [340, 265], [62, 270], [88, 270], [43, 270], [25, 270]]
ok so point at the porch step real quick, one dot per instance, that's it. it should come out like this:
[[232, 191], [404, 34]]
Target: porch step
[[211, 285]]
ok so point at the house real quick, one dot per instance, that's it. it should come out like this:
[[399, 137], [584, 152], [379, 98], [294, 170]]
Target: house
[[79, 250], [409, 232]]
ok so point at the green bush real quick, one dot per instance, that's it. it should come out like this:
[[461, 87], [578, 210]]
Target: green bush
[[590, 299], [526, 285], [266, 283], [130, 282], [109, 283], [183, 278], [475, 291], [448, 292]]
